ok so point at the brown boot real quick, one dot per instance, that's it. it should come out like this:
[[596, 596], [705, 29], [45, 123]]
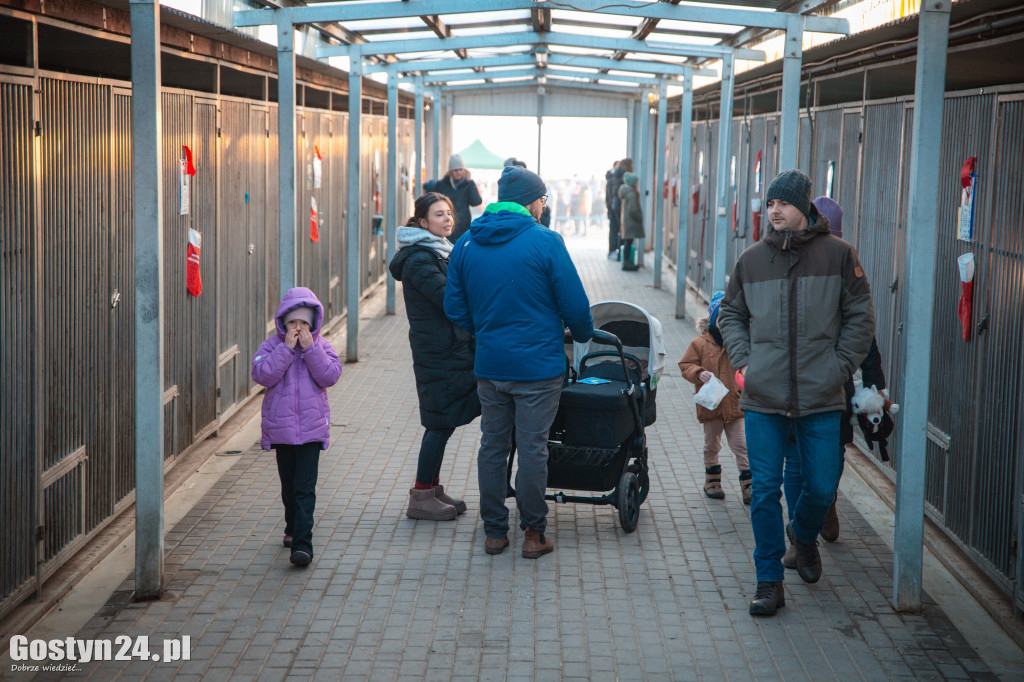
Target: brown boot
[[459, 505], [495, 545], [713, 482], [423, 505], [830, 531], [745, 481], [536, 545], [789, 558]]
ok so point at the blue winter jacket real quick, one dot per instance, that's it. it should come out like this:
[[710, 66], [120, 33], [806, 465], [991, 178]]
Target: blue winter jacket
[[512, 283]]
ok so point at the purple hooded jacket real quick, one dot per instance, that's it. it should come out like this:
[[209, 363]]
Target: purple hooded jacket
[[295, 407]]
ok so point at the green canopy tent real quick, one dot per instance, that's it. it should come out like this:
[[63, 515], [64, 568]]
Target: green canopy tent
[[478, 156]]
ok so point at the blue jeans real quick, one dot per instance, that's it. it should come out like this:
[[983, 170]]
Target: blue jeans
[[816, 437], [793, 478], [297, 466]]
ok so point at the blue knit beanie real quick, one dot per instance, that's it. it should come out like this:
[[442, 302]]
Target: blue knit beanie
[[713, 308], [521, 186]]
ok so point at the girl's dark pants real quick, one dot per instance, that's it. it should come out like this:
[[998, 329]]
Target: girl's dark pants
[[432, 455], [297, 466]]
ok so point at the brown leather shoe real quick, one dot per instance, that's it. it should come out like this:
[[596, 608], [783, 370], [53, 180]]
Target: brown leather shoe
[[495, 545], [769, 598], [439, 493], [536, 545], [808, 560], [830, 531]]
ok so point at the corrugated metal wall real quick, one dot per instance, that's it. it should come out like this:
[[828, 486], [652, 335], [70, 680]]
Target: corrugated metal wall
[[73, 256], [975, 457], [22, 353]]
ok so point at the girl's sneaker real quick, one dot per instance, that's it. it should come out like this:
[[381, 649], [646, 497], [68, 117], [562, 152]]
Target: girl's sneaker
[[287, 542], [300, 558]]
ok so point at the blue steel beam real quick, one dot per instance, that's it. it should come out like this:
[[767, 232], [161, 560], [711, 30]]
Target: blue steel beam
[[532, 38], [923, 228], [392, 188], [683, 229], [551, 83], [350, 11], [789, 119], [418, 135], [633, 65], [286, 211], [722, 234], [428, 65], [660, 173], [477, 75], [355, 110], [147, 212]]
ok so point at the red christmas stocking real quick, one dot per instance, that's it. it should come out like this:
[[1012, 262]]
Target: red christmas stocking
[[193, 277], [966, 306], [314, 230]]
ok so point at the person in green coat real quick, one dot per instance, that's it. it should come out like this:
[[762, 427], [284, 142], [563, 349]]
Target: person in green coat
[[632, 219]]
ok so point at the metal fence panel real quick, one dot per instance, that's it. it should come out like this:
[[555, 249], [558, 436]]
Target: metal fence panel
[[122, 261], [824, 163], [995, 500], [338, 161], [203, 309], [848, 168], [17, 310], [272, 290], [75, 186], [261, 249]]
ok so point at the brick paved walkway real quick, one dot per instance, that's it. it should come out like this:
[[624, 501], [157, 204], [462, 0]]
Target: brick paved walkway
[[389, 598]]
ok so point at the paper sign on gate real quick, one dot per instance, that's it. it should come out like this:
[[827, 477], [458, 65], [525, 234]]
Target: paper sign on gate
[[184, 195]]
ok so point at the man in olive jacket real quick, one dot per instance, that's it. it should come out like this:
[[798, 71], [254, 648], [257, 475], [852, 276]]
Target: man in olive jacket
[[797, 321]]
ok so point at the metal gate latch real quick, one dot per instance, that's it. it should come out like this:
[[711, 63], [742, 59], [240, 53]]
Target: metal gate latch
[[115, 298]]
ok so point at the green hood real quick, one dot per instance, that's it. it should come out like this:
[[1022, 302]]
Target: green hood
[[630, 178]]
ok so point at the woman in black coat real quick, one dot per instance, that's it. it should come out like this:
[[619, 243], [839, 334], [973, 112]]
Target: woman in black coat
[[442, 352]]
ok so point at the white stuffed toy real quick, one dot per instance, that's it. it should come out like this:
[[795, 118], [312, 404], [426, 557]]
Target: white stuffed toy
[[872, 403]]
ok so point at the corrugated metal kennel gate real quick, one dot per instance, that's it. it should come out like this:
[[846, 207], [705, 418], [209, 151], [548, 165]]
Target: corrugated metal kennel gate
[[975, 469], [67, 441]]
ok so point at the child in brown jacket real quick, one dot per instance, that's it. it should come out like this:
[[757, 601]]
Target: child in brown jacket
[[705, 358]]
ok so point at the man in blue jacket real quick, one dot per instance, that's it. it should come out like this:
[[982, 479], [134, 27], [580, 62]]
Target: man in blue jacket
[[511, 282]]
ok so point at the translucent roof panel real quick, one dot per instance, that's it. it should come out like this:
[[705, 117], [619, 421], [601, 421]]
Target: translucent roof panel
[[397, 23], [583, 51], [503, 15], [493, 29], [609, 19], [697, 27]]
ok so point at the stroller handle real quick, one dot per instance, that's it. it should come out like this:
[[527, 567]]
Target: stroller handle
[[607, 338]]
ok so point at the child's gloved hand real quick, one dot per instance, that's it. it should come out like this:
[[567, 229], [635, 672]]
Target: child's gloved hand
[[705, 376], [305, 338], [291, 338]]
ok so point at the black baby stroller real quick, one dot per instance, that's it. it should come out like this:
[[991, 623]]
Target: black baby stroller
[[597, 441]]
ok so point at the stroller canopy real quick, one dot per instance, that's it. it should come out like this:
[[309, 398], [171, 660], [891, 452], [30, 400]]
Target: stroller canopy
[[639, 332]]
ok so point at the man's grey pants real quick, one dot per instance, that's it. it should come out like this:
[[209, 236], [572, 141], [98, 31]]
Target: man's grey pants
[[529, 407]]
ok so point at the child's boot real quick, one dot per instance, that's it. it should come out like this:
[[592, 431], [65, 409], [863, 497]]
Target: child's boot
[[713, 482], [745, 481], [425, 506]]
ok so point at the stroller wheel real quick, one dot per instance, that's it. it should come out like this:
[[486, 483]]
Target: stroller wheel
[[643, 479], [629, 501]]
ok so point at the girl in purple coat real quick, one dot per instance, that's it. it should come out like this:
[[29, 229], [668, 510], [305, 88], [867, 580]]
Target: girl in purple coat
[[297, 366]]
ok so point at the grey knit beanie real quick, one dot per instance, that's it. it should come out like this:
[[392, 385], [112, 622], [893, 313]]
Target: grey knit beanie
[[793, 187], [456, 163]]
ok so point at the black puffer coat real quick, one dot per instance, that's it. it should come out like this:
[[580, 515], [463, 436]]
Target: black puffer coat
[[442, 352]]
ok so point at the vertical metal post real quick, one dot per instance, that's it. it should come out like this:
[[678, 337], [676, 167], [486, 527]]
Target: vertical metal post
[[435, 163], [660, 174], [644, 168], [789, 124], [722, 189], [418, 136], [919, 292], [683, 228], [540, 127], [147, 212], [355, 110], [631, 124], [286, 149], [392, 187]]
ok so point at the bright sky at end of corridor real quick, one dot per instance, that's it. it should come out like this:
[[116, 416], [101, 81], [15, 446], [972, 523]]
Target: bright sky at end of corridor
[[571, 146]]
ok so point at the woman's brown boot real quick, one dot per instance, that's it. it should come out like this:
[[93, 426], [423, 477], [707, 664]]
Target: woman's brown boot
[[440, 494], [424, 506]]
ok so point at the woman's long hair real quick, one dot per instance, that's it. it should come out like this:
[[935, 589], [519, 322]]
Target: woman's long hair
[[422, 207]]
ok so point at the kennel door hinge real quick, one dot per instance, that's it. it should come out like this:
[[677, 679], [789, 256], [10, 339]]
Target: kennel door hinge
[[39, 128], [40, 532], [894, 286]]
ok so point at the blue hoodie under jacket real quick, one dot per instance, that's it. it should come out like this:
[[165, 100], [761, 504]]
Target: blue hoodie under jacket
[[511, 282]]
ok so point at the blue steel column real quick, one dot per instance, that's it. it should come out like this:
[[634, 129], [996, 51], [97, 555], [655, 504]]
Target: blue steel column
[[392, 185], [683, 229], [149, 320], [286, 150], [644, 167], [418, 136], [659, 174], [789, 124], [919, 293], [355, 109], [435, 163], [722, 190]]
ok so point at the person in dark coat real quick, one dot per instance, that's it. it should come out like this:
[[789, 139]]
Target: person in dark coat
[[871, 374], [610, 197], [442, 352], [460, 188], [625, 166]]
